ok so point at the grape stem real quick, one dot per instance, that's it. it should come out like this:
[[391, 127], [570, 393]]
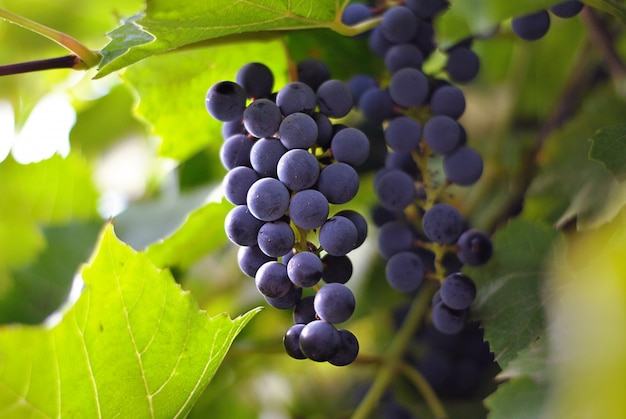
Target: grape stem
[[392, 362], [418, 380], [83, 57]]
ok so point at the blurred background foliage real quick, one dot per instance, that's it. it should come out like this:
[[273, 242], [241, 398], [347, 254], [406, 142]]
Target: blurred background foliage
[[139, 148]]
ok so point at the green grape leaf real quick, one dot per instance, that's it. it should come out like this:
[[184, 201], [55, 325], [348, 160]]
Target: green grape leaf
[[530, 362], [169, 25], [202, 232], [172, 88], [32, 292], [132, 345], [518, 399], [472, 17], [509, 300], [51, 192], [608, 146], [570, 187]]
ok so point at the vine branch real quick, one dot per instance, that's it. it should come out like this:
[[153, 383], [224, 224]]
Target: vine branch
[[84, 58], [392, 362]]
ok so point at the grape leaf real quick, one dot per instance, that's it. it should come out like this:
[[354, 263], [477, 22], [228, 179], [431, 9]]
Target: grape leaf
[[509, 300], [202, 232], [608, 146], [132, 345], [32, 292], [168, 25], [53, 191], [518, 399], [172, 89], [570, 186]]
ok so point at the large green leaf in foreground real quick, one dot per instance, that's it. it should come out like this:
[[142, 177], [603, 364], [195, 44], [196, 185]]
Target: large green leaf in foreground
[[167, 25], [133, 345]]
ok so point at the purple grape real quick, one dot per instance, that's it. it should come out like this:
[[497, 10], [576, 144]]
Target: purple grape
[[338, 236], [457, 291], [308, 209], [256, 79], [312, 72], [403, 134], [296, 97], [351, 146], [348, 349], [242, 227], [298, 130], [334, 303], [464, 166], [408, 87], [262, 118], [405, 271], [334, 98], [305, 269], [291, 341], [237, 182], [276, 238], [268, 199], [533, 26], [272, 281], [298, 169], [319, 341], [226, 101], [443, 223], [264, 156], [339, 183]]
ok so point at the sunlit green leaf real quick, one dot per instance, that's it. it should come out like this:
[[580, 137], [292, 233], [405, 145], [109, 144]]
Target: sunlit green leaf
[[202, 232], [132, 345], [172, 88], [53, 191], [168, 25], [37, 289]]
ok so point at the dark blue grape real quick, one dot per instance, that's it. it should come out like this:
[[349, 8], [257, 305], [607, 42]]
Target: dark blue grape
[[458, 291], [298, 130], [319, 341], [398, 24], [235, 151], [359, 84], [268, 199], [376, 105], [394, 237], [463, 65], [256, 79], [262, 118], [276, 238], [336, 269], [442, 134], [377, 42], [286, 301], [303, 312], [334, 303], [231, 128], [403, 134], [272, 281], [226, 101], [264, 156], [298, 169], [250, 259], [324, 129], [405, 271], [427, 9], [308, 209], [475, 247], [403, 56], [533, 26], [339, 183], [464, 166], [305, 269], [237, 182], [296, 97], [448, 320], [442, 223], [334, 98], [359, 222], [351, 146], [448, 100], [242, 227], [355, 13], [395, 190], [408, 87], [404, 161], [312, 72], [338, 236], [348, 349], [291, 341], [567, 9]]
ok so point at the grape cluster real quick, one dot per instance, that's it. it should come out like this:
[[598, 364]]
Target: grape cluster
[[420, 113], [287, 163], [534, 26]]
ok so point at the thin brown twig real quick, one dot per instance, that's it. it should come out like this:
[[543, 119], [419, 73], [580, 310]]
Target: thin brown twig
[[67, 61]]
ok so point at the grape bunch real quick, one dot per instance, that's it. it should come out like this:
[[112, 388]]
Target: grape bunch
[[287, 163], [420, 113], [534, 26]]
